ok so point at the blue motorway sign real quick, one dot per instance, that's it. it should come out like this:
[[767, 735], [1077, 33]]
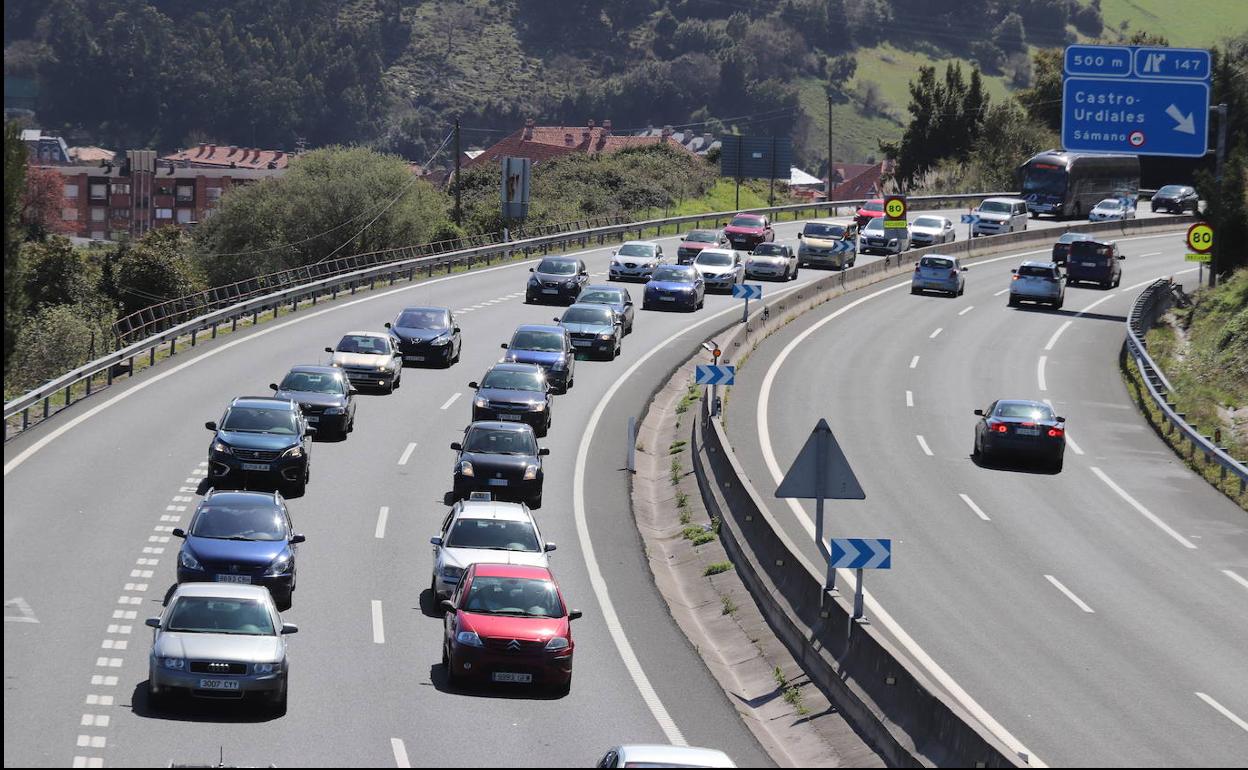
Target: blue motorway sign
[[747, 291], [860, 553], [711, 374], [970, 219], [1136, 99]]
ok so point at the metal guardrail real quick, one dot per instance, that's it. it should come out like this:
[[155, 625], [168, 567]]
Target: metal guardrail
[[1151, 304], [102, 371]]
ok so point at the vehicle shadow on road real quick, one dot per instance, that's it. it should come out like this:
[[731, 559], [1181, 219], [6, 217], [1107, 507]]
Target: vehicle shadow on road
[[1046, 310], [437, 676], [184, 708], [1017, 465]]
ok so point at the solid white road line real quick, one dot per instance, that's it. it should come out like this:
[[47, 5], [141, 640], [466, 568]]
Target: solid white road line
[[1040, 372], [914, 362], [966, 499], [450, 401], [1070, 442], [1151, 254], [932, 336], [1147, 513], [923, 443], [909, 398], [1056, 334], [1237, 578], [400, 753], [407, 453], [379, 631], [1224, 711], [380, 532], [1069, 595]]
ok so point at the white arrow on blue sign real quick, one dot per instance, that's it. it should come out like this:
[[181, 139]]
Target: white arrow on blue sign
[[840, 247], [970, 219], [712, 374], [861, 553], [747, 291]]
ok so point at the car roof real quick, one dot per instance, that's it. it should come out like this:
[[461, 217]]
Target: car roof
[[1114, 201], [515, 366], [1004, 200], [1038, 263], [513, 571], [383, 335], [603, 287], [243, 498], [685, 756], [493, 509], [514, 427], [704, 252], [1072, 237], [930, 216], [828, 222], [1022, 402], [596, 306], [264, 402], [639, 243], [560, 258], [702, 230], [222, 591], [317, 369], [748, 214], [939, 256], [540, 328]]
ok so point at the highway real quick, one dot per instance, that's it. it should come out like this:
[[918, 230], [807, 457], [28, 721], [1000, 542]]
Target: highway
[[88, 553], [1097, 614]]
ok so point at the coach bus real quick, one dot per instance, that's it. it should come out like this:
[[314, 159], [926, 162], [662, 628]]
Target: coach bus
[[1070, 184]]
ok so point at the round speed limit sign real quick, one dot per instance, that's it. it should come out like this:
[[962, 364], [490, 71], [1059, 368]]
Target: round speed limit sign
[[895, 207], [1200, 238]]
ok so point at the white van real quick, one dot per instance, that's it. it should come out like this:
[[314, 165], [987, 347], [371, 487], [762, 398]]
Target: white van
[[1000, 215]]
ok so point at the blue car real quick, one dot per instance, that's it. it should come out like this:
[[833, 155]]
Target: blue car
[[241, 537], [550, 347], [939, 273], [677, 286]]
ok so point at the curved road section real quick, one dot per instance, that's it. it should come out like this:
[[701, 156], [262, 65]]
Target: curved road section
[[1098, 614]]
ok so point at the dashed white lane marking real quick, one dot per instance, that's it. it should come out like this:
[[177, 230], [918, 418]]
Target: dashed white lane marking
[[379, 631], [1040, 372], [1237, 578], [1069, 594], [1224, 711], [914, 362], [966, 499], [450, 401], [463, 310], [94, 720], [999, 293], [966, 310], [1147, 513], [94, 741], [1151, 254], [1056, 334], [407, 453], [400, 753], [909, 398], [932, 336], [104, 681], [88, 762], [380, 532], [923, 443], [100, 700]]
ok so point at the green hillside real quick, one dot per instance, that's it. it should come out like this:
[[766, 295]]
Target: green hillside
[[1190, 26]]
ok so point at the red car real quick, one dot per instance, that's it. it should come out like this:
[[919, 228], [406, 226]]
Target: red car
[[746, 231], [507, 623], [872, 209]]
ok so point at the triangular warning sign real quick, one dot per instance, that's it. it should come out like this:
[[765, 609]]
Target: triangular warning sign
[[821, 470]]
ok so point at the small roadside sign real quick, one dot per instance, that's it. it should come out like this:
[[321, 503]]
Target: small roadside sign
[[747, 291], [820, 470], [713, 374], [1205, 258], [895, 211], [861, 553], [1200, 238], [970, 219]]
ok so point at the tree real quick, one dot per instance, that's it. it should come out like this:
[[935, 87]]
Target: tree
[[56, 340], [1043, 101], [56, 273], [945, 120], [1010, 35], [43, 198], [14, 184], [157, 267]]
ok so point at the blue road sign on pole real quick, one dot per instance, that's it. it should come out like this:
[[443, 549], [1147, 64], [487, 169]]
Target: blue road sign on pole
[[861, 553], [712, 374], [970, 219], [1140, 100], [747, 291]]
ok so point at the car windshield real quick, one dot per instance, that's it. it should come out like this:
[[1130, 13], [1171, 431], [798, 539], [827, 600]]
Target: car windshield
[[995, 207], [359, 343], [228, 522], [505, 379], [312, 382], [1072, 237], [929, 222], [636, 250], [875, 225], [500, 442], [701, 236], [769, 250], [251, 420], [214, 615], [493, 535], [514, 596], [557, 267], [1034, 271], [746, 221], [545, 342], [816, 230], [603, 297], [1038, 412], [1109, 203], [938, 262], [873, 206], [424, 319], [1172, 190], [674, 274], [588, 315], [714, 259]]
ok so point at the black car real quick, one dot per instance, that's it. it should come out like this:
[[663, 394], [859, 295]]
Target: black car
[[427, 335], [1176, 199], [241, 537], [324, 394], [1027, 428], [514, 393], [556, 279], [1061, 248], [500, 458], [593, 329], [261, 443], [618, 298]]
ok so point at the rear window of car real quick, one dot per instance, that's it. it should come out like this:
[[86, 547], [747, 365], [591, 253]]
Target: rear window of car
[[1091, 251], [1032, 271], [938, 262], [1038, 412], [1072, 237]]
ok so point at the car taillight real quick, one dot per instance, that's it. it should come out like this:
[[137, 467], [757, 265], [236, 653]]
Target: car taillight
[[1015, 278], [953, 273], [997, 427], [916, 268], [1056, 432]]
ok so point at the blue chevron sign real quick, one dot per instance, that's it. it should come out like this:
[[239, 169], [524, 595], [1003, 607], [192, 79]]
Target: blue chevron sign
[[747, 291], [861, 553], [840, 247], [709, 374], [970, 219]]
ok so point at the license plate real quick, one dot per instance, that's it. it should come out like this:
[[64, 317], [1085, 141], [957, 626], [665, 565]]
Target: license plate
[[255, 467], [1088, 264], [668, 299], [509, 417], [313, 418], [498, 482], [218, 684], [413, 358], [582, 343], [1027, 431], [506, 676], [550, 291], [233, 578]]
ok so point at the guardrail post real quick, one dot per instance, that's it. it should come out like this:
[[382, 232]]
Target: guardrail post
[[194, 335], [234, 324], [89, 384], [47, 406], [109, 381], [25, 419], [68, 395], [151, 356]]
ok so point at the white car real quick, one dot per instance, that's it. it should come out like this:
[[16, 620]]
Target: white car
[[1000, 215], [635, 260], [369, 359], [1112, 209], [929, 230], [483, 530], [642, 755]]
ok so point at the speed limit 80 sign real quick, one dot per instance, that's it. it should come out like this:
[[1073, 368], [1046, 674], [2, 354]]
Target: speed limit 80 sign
[[1200, 238]]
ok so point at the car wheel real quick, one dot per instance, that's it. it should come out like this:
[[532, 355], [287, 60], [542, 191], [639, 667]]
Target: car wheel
[[796, 270], [351, 424], [157, 697], [452, 678], [298, 488], [975, 453], [1058, 305], [433, 587], [1056, 465], [629, 330], [1013, 301], [961, 290], [535, 502], [645, 305], [562, 689], [278, 702], [542, 431], [914, 290]]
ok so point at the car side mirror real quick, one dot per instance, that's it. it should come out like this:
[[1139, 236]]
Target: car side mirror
[[455, 330], [1061, 419], [979, 412], [435, 541], [585, 273], [458, 447], [272, 386], [550, 547], [503, 346], [448, 605], [210, 425], [1121, 257], [613, 251], [574, 615], [543, 452], [799, 236], [965, 269], [1014, 270], [329, 350], [297, 538], [289, 628], [558, 320], [628, 303], [152, 622], [473, 385], [351, 391], [530, 270], [178, 532], [387, 324]]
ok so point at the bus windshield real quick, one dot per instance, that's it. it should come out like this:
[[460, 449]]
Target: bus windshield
[[1044, 181]]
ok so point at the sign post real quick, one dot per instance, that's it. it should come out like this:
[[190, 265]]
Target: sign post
[[514, 189], [748, 291]]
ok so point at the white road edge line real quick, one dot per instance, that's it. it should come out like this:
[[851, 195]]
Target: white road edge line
[[914, 362], [1070, 442], [1147, 513], [1236, 577], [966, 310], [966, 499], [1040, 372], [379, 631], [923, 443], [450, 400], [909, 398], [1069, 594], [1224, 711], [400, 753], [380, 532], [932, 336], [407, 453]]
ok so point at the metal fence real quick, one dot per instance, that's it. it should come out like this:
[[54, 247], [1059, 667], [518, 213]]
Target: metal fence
[[1149, 306]]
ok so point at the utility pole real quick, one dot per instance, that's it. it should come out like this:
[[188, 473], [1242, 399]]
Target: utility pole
[[738, 205], [771, 192], [1217, 176], [829, 187], [458, 210]]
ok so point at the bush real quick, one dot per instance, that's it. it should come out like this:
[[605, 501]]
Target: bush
[[55, 340]]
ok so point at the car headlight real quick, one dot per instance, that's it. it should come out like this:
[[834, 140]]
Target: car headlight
[[280, 566], [222, 447], [451, 573], [530, 472], [441, 339], [481, 402], [537, 406], [382, 367], [294, 451], [469, 638], [559, 365], [606, 336], [465, 468], [534, 282], [176, 664], [269, 668], [336, 410], [188, 560], [557, 643], [892, 242]]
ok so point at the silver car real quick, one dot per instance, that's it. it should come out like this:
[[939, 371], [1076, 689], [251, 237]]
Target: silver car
[[929, 230], [1112, 209], [771, 260], [1037, 282], [220, 640], [484, 530], [635, 260], [370, 359], [643, 755]]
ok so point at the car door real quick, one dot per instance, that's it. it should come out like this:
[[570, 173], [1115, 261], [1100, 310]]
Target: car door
[[446, 524], [947, 235]]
